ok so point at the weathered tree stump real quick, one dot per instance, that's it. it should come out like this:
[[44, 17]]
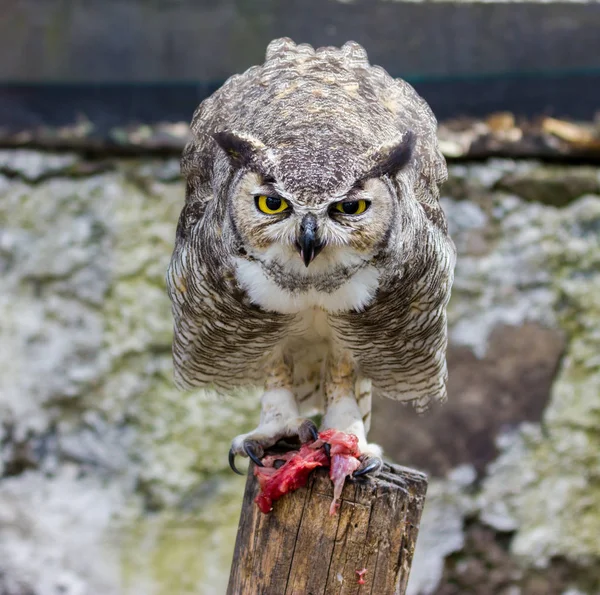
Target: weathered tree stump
[[300, 549]]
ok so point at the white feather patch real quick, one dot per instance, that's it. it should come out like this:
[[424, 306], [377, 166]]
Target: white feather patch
[[355, 294]]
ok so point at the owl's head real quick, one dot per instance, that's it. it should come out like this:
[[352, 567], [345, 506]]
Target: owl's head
[[311, 174], [311, 215]]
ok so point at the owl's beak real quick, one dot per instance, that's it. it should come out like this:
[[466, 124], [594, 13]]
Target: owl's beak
[[308, 245]]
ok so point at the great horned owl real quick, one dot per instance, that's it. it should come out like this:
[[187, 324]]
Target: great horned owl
[[312, 257]]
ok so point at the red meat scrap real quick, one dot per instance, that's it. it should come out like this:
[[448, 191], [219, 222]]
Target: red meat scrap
[[293, 474], [344, 460], [342, 466], [361, 576]]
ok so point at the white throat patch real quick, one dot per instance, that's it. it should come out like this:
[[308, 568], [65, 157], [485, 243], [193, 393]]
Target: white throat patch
[[354, 294]]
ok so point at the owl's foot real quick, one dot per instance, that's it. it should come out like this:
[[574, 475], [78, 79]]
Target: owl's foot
[[254, 444], [368, 464], [371, 460]]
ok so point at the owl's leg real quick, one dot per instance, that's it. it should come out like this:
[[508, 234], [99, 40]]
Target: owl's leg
[[279, 417], [344, 395]]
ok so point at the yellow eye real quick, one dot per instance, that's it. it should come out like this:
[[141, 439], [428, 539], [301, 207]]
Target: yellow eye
[[352, 207], [271, 205]]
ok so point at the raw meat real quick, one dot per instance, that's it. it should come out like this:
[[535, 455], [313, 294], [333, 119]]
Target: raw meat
[[293, 474], [361, 576], [274, 483], [344, 461]]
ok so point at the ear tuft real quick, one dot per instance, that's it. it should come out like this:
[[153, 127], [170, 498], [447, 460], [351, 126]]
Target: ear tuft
[[242, 150], [391, 159]]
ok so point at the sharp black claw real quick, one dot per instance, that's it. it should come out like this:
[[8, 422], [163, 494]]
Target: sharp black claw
[[308, 431], [372, 465], [248, 450], [232, 463], [327, 449]]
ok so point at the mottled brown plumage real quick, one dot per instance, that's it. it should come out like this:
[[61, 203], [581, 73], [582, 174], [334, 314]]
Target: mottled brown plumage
[[315, 129]]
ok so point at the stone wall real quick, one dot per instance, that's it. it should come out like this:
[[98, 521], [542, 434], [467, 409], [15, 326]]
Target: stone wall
[[113, 482]]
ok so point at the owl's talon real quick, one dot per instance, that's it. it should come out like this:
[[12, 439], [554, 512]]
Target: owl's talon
[[249, 450], [308, 431], [232, 462], [368, 465], [327, 449]]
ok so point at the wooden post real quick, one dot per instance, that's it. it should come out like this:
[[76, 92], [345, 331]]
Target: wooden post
[[300, 549]]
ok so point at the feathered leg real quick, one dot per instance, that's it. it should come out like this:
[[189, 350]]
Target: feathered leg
[[346, 397], [279, 417]]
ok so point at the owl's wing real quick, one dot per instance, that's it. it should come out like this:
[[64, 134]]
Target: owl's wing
[[400, 340], [403, 355], [220, 339]]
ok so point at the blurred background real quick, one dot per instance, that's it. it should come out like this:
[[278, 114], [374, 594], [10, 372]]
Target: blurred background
[[114, 483]]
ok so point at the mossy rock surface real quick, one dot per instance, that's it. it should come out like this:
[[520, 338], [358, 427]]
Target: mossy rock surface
[[103, 460]]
